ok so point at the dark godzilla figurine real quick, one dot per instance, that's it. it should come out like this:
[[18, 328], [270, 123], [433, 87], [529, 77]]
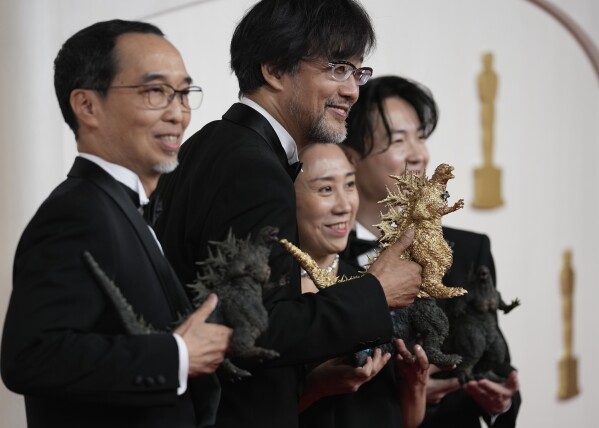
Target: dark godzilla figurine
[[423, 322], [473, 331], [238, 272]]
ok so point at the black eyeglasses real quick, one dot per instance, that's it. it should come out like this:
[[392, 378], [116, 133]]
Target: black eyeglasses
[[341, 70], [160, 95]]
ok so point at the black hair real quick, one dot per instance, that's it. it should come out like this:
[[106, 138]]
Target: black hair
[[283, 32], [88, 60], [360, 126]]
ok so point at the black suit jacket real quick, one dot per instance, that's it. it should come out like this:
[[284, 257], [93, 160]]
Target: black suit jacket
[[470, 250], [63, 346], [233, 175], [375, 404]]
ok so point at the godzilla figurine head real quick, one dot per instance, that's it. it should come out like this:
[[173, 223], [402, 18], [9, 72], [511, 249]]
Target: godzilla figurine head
[[481, 291], [443, 173]]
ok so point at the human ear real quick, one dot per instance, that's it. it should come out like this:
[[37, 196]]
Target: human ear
[[84, 103], [272, 75], [352, 155]]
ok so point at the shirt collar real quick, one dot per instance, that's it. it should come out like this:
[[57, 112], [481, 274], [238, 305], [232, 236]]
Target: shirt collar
[[285, 137], [363, 233], [120, 174]]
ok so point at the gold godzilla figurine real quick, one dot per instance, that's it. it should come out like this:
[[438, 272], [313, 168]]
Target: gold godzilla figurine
[[320, 277], [418, 204]]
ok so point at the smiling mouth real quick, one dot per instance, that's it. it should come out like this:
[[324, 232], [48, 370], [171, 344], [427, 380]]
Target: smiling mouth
[[339, 227], [169, 142], [340, 109]]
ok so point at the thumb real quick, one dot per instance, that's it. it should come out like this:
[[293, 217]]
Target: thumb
[[512, 382], [404, 241], [434, 369], [207, 308]]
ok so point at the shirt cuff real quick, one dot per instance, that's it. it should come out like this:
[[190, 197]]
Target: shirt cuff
[[183, 364], [493, 418]]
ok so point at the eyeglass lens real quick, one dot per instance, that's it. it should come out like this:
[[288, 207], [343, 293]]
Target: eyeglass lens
[[162, 95]]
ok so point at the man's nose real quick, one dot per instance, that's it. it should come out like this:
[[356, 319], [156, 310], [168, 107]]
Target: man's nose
[[350, 89]]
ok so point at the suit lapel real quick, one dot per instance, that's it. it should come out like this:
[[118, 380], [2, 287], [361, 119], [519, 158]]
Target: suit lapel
[[250, 118], [176, 298]]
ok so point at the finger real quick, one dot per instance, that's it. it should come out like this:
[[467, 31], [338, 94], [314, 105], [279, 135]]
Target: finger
[[512, 382], [204, 311], [380, 361], [385, 360], [402, 351], [377, 356], [403, 242], [367, 367], [434, 369], [447, 385], [421, 357], [182, 329], [473, 388], [493, 388]]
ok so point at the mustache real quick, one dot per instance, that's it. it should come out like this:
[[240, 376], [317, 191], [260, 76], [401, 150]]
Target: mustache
[[331, 102]]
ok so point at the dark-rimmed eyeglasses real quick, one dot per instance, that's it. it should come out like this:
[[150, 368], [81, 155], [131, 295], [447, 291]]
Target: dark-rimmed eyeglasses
[[160, 95], [341, 70]]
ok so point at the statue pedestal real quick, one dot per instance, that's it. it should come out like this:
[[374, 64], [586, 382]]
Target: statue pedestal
[[568, 375], [487, 187]]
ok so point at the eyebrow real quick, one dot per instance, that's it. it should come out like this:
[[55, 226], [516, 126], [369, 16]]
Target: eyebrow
[[403, 131], [148, 77], [330, 178]]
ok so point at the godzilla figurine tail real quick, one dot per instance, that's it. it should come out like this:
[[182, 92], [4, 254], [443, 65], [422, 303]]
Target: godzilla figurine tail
[[133, 323]]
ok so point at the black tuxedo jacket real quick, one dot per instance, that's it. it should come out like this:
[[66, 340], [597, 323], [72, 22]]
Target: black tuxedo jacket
[[233, 175], [470, 250], [458, 409], [63, 346]]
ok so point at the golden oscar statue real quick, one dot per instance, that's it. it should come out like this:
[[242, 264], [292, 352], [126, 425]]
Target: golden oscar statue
[[487, 178], [568, 372]]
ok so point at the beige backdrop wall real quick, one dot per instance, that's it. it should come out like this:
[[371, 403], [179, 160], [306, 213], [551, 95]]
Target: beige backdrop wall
[[547, 143]]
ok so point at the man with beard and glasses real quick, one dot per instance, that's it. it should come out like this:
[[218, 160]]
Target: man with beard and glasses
[[299, 66]]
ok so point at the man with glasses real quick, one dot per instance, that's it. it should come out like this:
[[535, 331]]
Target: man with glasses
[[124, 91], [299, 66]]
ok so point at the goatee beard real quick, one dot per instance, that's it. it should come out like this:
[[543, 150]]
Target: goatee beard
[[321, 133], [166, 166]]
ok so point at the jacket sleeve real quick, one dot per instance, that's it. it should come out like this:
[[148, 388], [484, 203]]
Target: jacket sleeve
[[61, 338]]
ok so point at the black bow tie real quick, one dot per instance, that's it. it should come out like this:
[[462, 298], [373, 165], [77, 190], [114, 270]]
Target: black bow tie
[[294, 169], [132, 194], [150, 211], [358, 246]]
